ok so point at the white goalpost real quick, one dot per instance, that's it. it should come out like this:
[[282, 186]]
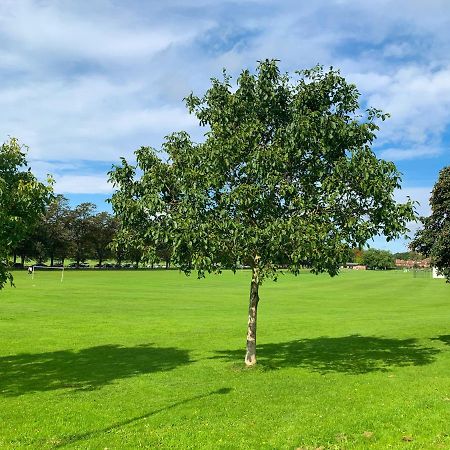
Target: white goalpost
[[46, 269]]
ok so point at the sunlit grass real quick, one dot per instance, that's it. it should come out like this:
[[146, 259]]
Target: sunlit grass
[[155, 360]]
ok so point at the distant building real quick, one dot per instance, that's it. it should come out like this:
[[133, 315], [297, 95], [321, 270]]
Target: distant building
[[411, 263], [354, 266]]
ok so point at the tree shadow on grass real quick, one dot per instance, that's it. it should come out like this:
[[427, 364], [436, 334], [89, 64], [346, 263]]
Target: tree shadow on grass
[[348, 354], [66, 440], [85, 369], [445, 338]]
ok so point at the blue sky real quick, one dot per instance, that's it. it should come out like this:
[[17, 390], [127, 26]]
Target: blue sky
[[83, 83]]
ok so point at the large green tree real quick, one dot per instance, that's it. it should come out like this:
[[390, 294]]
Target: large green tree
[[434, 238], [56, 226], [81, 222], [378, 259], [53, 234], [103, 229], [285, 176], [22, 201]]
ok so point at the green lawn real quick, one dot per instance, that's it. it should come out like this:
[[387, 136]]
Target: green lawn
[[154, 359]]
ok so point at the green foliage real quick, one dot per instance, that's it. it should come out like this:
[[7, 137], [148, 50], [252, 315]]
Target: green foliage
[[51, 236], [285, 176], [378, 259], [356, 256], [55, 229], [434, 238], [103, 229], [81, 225], [407, 256], [62, 232], [22, 201]]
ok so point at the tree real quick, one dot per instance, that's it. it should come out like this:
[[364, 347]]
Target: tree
[[81, 225], [378, 259], [128, 245], [285, 174], [433, 240], [357, 255], [25, 248], [58, 220], [408, 256], [22, 201], [103, 229], [54, 229]]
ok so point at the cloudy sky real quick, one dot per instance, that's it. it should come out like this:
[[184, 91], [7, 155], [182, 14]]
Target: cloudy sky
[[85, 82]]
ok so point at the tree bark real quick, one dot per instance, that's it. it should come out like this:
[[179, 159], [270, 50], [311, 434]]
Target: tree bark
[[250, 356]]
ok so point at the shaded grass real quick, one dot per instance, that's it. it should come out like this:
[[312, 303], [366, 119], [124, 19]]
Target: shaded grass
[[88, 368], [155, 360], [350, 354]]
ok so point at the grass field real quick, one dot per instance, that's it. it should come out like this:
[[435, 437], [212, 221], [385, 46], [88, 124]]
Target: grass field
[[154, 359]]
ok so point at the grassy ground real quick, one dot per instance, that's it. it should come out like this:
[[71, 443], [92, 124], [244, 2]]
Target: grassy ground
[[153, 359]]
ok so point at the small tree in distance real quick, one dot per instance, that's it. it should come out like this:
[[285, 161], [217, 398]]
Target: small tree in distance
[[286, 176]]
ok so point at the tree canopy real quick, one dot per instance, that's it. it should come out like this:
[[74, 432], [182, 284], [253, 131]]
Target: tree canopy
[[22, 201], [285, 177], [434, 238], [378, 259]]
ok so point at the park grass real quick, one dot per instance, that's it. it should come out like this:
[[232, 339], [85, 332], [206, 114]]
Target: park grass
[[154, 359]]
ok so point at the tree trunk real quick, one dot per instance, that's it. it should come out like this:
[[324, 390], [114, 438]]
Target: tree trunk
[[51, 260], [250, 356]]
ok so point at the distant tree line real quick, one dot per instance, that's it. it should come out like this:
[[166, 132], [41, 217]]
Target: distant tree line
[[79, 234], [381, 259]]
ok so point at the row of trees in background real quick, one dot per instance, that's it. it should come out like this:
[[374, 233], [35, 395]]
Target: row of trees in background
[[382, 259], [78, 233], [62, 232]]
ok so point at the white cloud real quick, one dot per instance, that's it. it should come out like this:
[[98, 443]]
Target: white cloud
[[414, 152], [418, 100], [82, 184], [62, 30]]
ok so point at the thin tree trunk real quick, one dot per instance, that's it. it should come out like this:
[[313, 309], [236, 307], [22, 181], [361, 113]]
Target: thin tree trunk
[[51, 260], [250, 356]]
